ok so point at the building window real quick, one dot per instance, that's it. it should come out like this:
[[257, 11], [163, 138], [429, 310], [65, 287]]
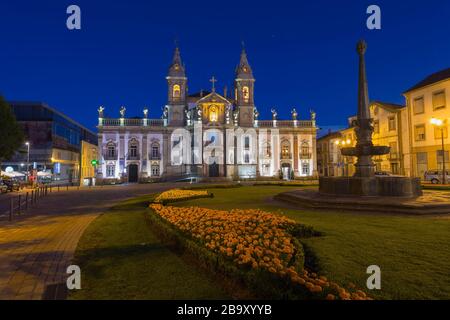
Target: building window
[[438, 132], [419, 132], [422, 163], [213, 116], [305, 148], [247, 158], [392, 124], [155, 151], [439, 100], [393, 151], [133, 151], [439, 159], [376, 126], [176, 91], [110, 170], [418, 105], [268, 151], [305, 169], [155, 171], [285, 151], [111, 151], [247, 143], [246, 94]]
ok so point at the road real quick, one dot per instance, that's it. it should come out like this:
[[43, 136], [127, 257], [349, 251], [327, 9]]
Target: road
[[36, 248]]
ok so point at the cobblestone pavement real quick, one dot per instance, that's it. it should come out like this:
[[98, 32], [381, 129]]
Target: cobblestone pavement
[[37, 248]]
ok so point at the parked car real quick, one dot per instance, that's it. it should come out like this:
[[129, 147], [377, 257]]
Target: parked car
[[12, 185], [435, 176], [3, 187]]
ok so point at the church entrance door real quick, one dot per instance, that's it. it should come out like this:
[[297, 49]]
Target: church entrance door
[[133, 173], [214, 170]]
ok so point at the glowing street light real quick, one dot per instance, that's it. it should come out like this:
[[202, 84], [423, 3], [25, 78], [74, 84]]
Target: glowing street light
[[440, 124], [28, 160]]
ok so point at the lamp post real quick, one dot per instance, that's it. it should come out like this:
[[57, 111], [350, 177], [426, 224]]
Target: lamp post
[[341, 159], [28, 160], [440, 124]]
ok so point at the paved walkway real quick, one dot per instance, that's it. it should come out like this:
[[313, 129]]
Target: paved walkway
[[37, 248]]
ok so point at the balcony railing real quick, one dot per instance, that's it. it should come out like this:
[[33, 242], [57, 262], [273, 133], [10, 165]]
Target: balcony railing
[[133, 157], [285, 123], [154, 156], [132, 122], [305, 156], [110, 156], [286, 156]]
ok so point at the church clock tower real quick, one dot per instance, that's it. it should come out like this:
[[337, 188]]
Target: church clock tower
[[177, 87], [244, 91]]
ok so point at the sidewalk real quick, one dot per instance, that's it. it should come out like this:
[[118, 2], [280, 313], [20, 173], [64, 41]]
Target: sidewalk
[[37, 248]]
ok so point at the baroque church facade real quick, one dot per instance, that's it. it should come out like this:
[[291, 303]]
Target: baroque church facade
[[206, 135]]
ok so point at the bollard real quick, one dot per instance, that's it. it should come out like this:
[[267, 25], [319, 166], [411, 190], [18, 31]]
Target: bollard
[[67, 188], [58, 187], [26, 201], [11, 209], [19, 207], [32, 197]]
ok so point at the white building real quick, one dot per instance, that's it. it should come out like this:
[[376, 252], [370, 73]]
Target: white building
[[207, 135]]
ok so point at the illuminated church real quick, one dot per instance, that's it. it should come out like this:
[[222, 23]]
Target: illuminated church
[[206, 135]]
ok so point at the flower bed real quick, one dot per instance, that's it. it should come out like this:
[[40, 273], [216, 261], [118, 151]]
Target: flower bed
[[175, 195], [256, 246]]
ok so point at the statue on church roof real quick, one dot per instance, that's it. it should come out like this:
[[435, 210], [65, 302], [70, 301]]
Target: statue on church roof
[[100, 111], [313, 115], [165, 115], [145, 111], [294, 114], [122, 111], [274, 114], [256, 114]]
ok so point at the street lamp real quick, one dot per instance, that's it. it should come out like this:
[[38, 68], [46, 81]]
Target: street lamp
[[28, 160], [439, 123]]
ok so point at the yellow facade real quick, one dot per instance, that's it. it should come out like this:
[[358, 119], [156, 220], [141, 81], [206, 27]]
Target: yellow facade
[[89, 152], [423, 104]]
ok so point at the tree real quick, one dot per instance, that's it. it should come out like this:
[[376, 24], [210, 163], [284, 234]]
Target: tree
[[11, 134]]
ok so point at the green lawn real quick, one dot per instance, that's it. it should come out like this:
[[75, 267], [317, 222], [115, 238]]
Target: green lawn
[[412, 252], [121, 258]]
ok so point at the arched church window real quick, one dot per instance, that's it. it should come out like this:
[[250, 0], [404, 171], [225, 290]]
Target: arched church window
[[285, 150], [305, 148], [176, 93], [213, 114], [155, 151], [133, 149], [247, 143], [246, 94], [111, 150]]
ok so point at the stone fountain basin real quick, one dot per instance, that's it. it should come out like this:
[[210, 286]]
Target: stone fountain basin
[[365, 151], [396, 186]]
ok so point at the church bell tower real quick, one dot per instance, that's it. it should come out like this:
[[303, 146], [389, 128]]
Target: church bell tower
[[244, 91], [177, 88]]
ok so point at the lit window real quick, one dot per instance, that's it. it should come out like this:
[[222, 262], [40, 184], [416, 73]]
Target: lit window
[[419, 132], [246, 94], [213, 116], [176, 91]]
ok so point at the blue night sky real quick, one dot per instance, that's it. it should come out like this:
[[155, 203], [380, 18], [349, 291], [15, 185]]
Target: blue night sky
[[302, 52]]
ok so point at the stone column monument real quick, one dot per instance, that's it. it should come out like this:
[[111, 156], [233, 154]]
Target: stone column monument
[[364, 182]]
